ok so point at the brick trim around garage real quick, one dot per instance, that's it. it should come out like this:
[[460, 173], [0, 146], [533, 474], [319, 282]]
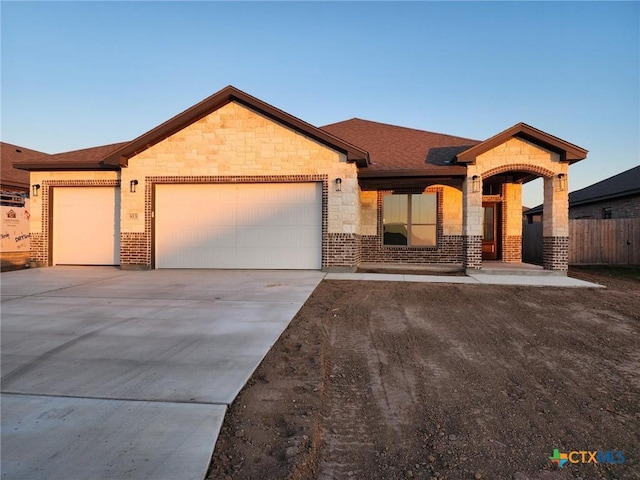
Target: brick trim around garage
[[42, 242], [137, 248]]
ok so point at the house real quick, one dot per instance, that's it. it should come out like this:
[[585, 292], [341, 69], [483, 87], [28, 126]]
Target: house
[[234, 182], [614, 197], [14, 206], [12, 179]]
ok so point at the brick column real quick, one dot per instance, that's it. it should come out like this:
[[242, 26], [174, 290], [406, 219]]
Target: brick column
[[555, 225], [512, 222], [343, 252], [472, 222]]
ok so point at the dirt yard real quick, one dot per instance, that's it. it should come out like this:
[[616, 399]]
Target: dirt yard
[[382, 380]]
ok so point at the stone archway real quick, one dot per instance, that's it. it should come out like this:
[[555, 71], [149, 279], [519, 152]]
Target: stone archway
[[519, 149]]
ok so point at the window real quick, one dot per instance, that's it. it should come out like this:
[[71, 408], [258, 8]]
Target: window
[[606, 213], [410, 219]]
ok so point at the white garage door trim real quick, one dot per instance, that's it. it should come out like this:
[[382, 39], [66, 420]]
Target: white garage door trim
[[86, 226], [239, 226]]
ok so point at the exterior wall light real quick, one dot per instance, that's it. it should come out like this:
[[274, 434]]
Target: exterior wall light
[[475, 183], [35, 189], [132, 186], [338, 183], [562, 182]]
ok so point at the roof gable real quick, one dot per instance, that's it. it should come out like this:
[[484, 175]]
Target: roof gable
[[229, 94], [567, 151]]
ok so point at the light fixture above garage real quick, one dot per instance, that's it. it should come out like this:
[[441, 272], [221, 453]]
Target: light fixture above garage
[[35, 189], [132, 186], [338, 183]]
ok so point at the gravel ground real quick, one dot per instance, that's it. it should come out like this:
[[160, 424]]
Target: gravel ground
[[393, 380]]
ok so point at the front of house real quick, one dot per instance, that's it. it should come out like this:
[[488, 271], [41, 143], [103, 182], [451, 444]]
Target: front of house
[[234, 182]]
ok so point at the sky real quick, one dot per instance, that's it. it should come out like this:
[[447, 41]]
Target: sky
[[82, 74]]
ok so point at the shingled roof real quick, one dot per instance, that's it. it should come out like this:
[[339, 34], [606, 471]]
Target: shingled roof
[[620, 185], [11, 177], [84, 159], [399, 149]]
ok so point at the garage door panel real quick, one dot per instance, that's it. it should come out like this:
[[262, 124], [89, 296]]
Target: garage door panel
[[86, 226], [239, 226]]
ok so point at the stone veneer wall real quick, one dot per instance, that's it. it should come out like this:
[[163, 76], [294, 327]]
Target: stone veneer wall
[[517, 154], [449, 240], [236, 144]]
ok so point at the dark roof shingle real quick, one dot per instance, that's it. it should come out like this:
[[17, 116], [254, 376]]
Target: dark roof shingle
[[394, 148], [9, 153], [620, 185], [86, 158]]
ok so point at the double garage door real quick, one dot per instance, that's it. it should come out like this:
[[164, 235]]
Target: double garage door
[[257, 225]]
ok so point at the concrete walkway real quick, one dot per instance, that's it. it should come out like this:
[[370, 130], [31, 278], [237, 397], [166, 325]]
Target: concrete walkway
[[478, 278], [108, 374]]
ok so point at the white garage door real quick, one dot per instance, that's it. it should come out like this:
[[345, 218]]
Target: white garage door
[[86, 226], [257, 225]]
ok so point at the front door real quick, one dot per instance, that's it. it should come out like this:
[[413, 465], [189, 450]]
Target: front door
[[491, 231]]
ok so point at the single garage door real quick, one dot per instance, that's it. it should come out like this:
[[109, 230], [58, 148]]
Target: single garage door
[[86, 226], [249, 225]]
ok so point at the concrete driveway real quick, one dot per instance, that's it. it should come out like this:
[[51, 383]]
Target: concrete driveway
[[110, 374]]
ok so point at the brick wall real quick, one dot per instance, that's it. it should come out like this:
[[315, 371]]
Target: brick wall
[[512, 248], [626, 207], [472, 245], [39, 249], [135, 250], [555, 253], [343, 251], [448, 248]]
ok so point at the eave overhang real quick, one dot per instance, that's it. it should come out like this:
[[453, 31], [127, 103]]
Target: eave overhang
[[64, 166], [453, 170]]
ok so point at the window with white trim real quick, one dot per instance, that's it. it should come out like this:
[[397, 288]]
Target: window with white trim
[[410, 219]]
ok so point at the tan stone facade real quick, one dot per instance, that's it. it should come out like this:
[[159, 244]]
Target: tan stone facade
[[518, 155], [234, 138]]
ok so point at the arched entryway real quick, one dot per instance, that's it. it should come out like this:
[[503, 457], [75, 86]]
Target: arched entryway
[[492, 195]]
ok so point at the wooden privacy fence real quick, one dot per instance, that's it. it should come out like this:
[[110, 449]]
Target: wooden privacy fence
[[614, 241], [591, 242], [532, 243]]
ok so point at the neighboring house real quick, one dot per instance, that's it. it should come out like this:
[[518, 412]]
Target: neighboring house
[[234, 182], [12, 179], [613, 197], [14, 205]]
